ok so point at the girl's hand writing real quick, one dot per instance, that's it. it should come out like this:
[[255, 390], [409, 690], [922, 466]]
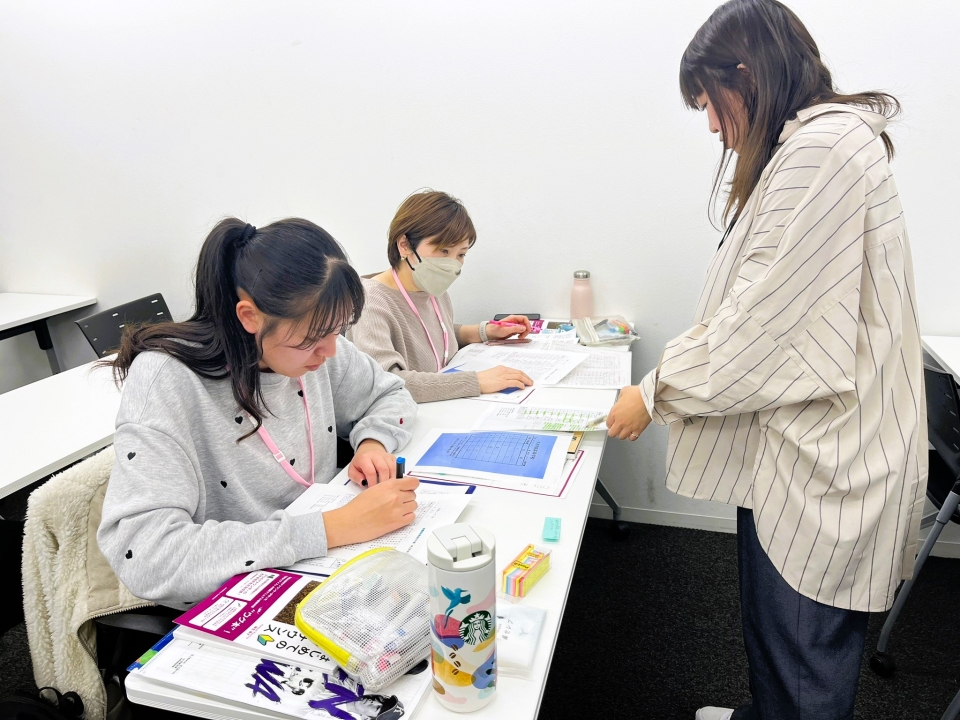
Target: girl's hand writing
[[374, 512]]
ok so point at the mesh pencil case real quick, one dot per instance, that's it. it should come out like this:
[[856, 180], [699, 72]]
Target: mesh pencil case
[[371, 616]]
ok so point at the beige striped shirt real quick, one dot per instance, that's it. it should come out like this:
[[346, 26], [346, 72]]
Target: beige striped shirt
[[799, 391]]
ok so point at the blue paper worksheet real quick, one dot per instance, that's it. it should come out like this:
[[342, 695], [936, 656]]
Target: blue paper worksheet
[[508, 453]]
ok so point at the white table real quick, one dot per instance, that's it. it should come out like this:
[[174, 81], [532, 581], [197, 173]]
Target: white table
[[53, 422], [516, 519], [25, 312], [946, 351]]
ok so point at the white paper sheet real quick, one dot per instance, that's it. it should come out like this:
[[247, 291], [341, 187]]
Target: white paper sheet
[[518, 634], [534, 417], [433, 511], [602, 370], [543, 366]]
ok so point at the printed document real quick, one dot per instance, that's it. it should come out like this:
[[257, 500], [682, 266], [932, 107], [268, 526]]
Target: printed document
[[544, 367], [433, 511], [602, 370], [532, 417], [533, 462]]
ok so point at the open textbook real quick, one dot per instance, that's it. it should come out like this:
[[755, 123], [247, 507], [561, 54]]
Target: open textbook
[[433, 510], [317, 690]]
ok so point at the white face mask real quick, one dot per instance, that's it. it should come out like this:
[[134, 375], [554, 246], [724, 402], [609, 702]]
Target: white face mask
[[435, 275]]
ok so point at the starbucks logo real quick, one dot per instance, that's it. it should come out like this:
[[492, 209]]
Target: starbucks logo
[[476, 627]]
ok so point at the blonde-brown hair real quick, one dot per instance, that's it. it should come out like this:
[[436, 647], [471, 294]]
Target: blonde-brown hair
[[429, 214]]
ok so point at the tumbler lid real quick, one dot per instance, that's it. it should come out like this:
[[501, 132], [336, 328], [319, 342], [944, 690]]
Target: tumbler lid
[[460, 547]]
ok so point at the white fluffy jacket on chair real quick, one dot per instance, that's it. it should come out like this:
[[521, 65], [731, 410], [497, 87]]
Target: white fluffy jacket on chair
[[67, 581]]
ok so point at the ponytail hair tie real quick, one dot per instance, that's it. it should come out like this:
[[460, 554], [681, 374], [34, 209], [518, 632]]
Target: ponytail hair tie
[[248, 232]]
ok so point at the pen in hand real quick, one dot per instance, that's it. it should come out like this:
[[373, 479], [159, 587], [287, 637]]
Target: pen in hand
[[595, 422], [498, 323]]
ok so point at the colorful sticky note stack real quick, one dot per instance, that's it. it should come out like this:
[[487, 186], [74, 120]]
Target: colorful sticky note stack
[[525, 571]]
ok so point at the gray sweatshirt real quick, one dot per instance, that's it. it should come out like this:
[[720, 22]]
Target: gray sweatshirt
[[188, 507]]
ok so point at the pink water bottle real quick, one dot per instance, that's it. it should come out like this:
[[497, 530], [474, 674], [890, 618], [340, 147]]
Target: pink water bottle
[[581, 297]]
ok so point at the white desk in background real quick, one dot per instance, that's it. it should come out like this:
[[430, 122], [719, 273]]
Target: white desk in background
[[54, 422], [516, 519], [26, 312], [946, 351]]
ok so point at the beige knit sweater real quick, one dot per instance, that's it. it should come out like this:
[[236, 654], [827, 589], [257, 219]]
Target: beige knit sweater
[[389, 332]]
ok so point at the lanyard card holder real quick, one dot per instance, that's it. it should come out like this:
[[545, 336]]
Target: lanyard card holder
[[371, 616]]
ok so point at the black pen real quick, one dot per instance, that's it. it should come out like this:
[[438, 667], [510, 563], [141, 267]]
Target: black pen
[[401, 467]]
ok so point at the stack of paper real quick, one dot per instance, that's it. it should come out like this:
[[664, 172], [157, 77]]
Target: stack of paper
[[295, 688]]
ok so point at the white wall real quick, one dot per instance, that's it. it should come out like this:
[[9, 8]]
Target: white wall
[[128, 128]]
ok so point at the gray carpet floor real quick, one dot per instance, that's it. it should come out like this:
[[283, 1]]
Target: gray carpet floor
[[652, 630]]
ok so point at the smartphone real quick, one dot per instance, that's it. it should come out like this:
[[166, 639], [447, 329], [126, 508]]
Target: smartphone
[[529, 316]]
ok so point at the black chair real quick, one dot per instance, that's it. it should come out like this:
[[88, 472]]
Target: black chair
[[943, 491], [104, 330]]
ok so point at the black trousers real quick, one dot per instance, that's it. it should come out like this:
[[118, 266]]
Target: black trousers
[[804, 656]]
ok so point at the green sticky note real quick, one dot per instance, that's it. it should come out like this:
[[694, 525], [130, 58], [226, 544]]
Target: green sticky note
[[551, 529]]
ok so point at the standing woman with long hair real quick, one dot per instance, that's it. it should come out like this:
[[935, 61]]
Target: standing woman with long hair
[[798, 393], [227, 417]]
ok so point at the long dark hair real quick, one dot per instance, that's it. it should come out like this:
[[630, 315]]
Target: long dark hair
[[291, 269], [784, 74]]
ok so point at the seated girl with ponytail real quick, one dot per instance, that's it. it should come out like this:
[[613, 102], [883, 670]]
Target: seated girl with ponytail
[[408, 327], [227, 417]]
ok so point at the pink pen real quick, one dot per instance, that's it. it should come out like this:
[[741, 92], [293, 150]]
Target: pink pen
[[498, 323]]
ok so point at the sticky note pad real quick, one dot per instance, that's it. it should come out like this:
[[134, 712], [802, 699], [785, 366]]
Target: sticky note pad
[[524, 572], [551, 529]]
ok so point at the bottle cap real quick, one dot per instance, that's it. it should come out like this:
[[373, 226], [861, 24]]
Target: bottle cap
[[460, 547], [581, 274]]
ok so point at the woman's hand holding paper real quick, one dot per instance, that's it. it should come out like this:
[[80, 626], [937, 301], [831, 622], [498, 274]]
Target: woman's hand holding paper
[[629, 417]]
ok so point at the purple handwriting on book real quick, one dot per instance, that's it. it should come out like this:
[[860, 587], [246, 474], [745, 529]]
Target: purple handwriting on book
[[265, 676]]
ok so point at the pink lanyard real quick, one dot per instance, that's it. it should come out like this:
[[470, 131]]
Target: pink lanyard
[[279, 456], [443, 327]]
